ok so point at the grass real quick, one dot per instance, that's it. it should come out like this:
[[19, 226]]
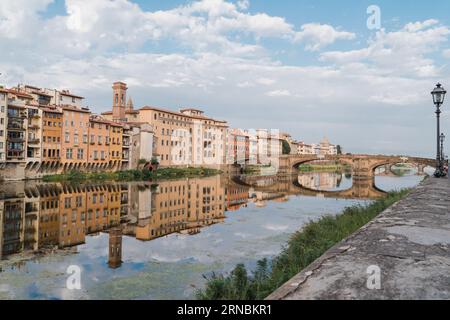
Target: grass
[[133, 175], [302, 249], [322, 168]]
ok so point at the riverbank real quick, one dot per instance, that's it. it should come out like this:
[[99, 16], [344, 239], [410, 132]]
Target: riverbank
[[302, 249], [403, 254], [133, 175], [305, 168]]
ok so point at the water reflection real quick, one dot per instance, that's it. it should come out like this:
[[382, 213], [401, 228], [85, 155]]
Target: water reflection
[[40, 217], [155, 241]]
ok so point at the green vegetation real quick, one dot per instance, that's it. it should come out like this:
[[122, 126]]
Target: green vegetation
[[323, 168], [303, 248], [339, 149], [286, 148], [255, 169], [133, 175]]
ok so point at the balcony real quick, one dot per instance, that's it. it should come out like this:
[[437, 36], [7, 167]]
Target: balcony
[[33, 126], [16, 139], [34, 141], [15, 154], [15, 125], [16, 103]]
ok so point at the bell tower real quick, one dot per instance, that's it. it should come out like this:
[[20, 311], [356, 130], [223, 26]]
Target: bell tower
[[119, 101]]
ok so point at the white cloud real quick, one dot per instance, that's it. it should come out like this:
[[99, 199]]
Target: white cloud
[[404, 52], [243, 4], [210, 65], [420, 25], [446, 53], [316, 35], [279, 93]]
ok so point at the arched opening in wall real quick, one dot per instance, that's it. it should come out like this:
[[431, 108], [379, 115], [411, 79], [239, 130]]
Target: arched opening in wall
[[391, 176], [323, 175]]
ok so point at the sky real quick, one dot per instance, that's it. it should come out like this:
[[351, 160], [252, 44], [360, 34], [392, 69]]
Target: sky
[[313, 68]]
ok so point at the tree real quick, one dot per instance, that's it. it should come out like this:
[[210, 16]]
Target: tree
[[339, 149], [286, 147]]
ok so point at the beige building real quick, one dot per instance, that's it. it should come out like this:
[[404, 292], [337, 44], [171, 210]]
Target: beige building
[[3, 123], [184, 138]]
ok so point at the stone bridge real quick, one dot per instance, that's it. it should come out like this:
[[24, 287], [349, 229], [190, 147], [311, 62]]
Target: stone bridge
[[364, 189], [363, 166]]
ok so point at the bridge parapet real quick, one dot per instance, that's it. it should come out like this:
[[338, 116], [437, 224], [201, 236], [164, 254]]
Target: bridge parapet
[[363, 166]]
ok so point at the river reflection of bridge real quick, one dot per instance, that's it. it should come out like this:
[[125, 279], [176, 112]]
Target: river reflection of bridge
[[316, 184], [37, 217]]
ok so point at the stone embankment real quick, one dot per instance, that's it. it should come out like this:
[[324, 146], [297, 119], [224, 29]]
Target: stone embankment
[[403, 254]]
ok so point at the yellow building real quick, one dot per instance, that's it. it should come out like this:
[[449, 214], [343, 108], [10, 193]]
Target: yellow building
[[184, 138]]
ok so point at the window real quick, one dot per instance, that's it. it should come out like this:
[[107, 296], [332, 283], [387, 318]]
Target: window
[[102, 154], [95, 155], [80, 154], [85, 138], [69, 153], [75, 139], [100, 139], [67, 203], [67, 137]]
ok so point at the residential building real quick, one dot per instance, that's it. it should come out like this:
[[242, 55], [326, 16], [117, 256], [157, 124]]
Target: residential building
[[326, 148], [184, 138], [3, 123], [52, 122], [99, 143], [115, 143], [74, 142], [305, 148]]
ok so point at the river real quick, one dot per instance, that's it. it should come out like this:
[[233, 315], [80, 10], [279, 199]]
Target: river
[[165, 237]]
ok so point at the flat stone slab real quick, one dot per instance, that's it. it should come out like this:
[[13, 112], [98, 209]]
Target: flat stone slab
[[402, 254]]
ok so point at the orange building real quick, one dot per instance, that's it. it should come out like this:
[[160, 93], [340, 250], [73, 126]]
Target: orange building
[[51, 136], [74, 142], [98, 142], [183, 206], [115, 145], [72, 217], [49, 218], [97, 209]]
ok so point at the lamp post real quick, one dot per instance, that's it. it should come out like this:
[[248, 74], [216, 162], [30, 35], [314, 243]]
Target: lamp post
[[438, 99], [442, 139]]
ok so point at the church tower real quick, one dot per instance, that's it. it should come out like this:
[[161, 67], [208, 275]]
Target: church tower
[[130, 105], [115, 248], [119, 101]]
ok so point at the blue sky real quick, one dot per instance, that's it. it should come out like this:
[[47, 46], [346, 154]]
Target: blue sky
[[311, 68]]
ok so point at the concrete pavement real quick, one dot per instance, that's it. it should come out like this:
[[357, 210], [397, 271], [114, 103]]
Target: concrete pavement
[[403, 254]]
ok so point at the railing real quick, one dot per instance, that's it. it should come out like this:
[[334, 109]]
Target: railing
[[16, 139], [14, 125], [34, 141]]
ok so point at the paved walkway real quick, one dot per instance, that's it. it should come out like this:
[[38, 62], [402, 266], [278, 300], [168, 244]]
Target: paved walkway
[[409, 243]]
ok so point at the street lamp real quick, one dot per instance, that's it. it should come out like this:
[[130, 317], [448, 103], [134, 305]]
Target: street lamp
[[442, 155], [438, 99]]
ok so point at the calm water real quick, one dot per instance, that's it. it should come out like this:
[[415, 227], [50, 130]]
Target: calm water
[[172, 233]]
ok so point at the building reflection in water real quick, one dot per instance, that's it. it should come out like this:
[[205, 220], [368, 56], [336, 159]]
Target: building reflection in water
[[324, 181], [40, 217]]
